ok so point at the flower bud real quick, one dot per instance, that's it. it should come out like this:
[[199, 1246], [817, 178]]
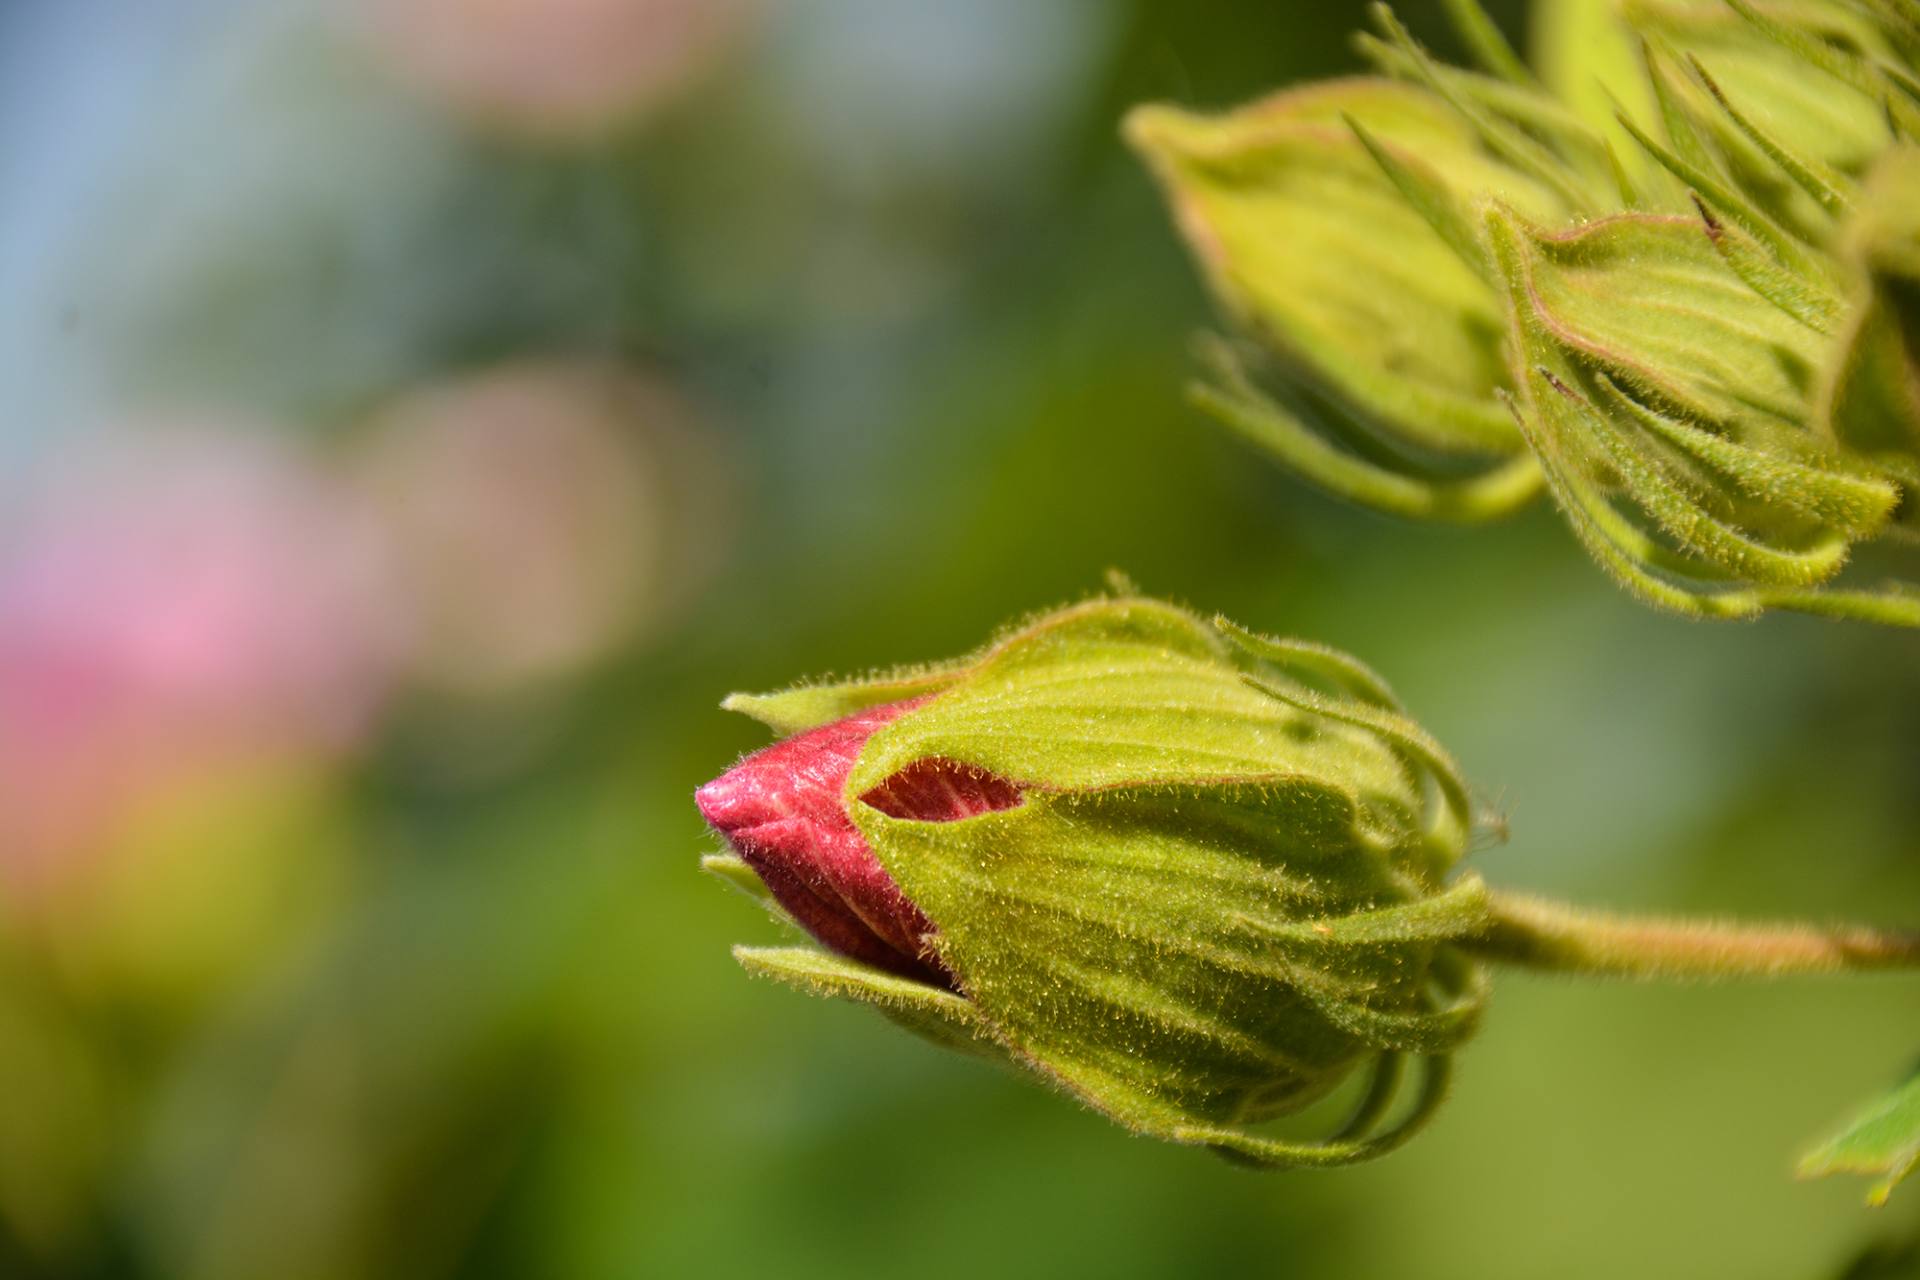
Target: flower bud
[[1193, 877], [1682, 278], [1335, 225]]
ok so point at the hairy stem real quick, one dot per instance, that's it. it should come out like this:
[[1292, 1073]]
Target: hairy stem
[[1539, 934]]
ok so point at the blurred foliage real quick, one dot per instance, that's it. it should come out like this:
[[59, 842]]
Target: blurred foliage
[[444, 994], [1883, 1139]]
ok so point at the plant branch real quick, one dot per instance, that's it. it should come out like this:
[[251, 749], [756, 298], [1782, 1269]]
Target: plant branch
[[1536, 933]]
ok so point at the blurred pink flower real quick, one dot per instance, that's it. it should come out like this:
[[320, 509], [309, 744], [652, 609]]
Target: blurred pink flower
[[169, 602], [537, 516], [553, 68]]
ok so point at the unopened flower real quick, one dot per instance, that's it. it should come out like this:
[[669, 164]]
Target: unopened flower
[[1296, 208], [1687, 305], [1193, 877]]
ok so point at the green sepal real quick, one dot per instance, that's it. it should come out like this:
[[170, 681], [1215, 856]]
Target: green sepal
[[1310, 244], [1647, 298], [1589, 58], [1346, 672], [733, 870], [1871, 392], [1656, 377], [1130, 693], [1525, 129], [1307, 446], [1884, 1139], [941, 1016], [1354, 1144], [1875, 79], [1784, 65], [808, 706], [1146, 938]]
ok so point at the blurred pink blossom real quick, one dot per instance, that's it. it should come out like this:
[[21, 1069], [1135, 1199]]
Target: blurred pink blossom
[[537, 514], [170, 602], [553, 68]]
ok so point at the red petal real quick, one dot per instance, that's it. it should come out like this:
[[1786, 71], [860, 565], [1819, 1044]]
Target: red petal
[[936, 789], [782, 812]]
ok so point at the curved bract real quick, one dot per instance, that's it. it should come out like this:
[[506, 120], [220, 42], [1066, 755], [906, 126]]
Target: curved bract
[[1225, 888], [1690, 293]]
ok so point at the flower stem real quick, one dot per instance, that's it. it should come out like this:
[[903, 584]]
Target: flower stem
[[1536, 933]]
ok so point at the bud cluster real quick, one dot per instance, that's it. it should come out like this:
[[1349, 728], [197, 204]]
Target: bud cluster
[[1688, 306]]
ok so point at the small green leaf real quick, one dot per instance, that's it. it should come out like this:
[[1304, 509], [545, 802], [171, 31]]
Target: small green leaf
[[1151, 938], [1884, 1138]]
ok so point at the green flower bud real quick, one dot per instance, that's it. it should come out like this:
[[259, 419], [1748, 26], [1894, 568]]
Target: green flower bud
[[1334, 225], [1699, 312], [1207, 878]]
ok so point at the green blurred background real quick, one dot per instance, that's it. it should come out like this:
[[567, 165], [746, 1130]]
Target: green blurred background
[[418, 414]]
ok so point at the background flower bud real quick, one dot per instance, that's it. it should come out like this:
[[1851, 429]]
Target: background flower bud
[[1673, 254], [1376, 314], [1207, 883]]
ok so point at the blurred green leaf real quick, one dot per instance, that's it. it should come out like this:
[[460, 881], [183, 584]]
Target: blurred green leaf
[[1882, 1139]]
